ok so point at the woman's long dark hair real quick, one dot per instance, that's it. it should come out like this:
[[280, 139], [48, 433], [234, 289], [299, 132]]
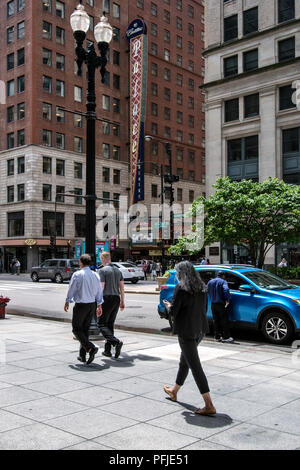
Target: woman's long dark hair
[[189, 279]]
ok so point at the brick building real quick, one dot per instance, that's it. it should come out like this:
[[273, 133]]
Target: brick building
[[42, 143]]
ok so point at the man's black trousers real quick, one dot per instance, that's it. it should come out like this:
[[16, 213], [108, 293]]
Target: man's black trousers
[[106, 322], [221, 323], [82, 317]]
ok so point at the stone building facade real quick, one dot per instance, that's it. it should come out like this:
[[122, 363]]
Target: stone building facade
[[252, 122]]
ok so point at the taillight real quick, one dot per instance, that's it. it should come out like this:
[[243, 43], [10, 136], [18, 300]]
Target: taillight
[[131, 270], [164, 286], [67, 270]]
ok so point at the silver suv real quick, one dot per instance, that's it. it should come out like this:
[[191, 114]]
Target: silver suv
[[58, 270]]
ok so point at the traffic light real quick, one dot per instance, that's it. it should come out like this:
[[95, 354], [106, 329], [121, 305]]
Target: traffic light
[[169, 179], [168, 148], [52, 241]]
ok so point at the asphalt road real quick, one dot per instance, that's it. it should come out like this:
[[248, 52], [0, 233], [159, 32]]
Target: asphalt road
[[46, 299]]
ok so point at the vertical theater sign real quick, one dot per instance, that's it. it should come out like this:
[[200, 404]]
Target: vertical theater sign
[[136, 36]]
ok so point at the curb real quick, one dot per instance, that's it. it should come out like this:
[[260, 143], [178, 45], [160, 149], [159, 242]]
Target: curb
[[140, 292]]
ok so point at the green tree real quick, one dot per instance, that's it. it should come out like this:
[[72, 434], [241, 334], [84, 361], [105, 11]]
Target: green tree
[[255, 215]]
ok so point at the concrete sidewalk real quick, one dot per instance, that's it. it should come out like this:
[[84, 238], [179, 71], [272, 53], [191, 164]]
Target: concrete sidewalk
[[48, 400]]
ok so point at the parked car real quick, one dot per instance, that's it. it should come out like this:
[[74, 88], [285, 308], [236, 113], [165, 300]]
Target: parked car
[[129, 271], [58, 270], [259, 300]]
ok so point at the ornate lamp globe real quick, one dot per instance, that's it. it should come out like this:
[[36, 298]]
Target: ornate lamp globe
[[103, 31], [80, 20]]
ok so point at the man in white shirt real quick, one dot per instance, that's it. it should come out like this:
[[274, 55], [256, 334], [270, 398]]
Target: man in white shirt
[[86, 291]]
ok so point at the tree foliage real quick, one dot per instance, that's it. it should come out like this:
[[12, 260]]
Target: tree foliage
[[255, 215]]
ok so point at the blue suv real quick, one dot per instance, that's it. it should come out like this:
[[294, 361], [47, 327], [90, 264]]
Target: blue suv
[[259, 300]]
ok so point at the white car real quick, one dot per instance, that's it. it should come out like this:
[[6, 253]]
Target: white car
[[130, 272]]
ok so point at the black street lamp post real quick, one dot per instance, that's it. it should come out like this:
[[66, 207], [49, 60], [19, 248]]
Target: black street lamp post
[[103, 33]]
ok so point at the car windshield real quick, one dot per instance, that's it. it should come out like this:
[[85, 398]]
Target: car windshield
[[268, 281], [127, 265]]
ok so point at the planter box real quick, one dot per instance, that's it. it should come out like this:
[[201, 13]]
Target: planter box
[[2, 311]]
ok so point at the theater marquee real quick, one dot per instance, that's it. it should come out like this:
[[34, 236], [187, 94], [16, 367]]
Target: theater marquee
[[136, 36]]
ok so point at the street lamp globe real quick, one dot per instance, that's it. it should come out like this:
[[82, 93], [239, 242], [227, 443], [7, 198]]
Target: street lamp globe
[[103, 31], [148, 138], [80, 20]]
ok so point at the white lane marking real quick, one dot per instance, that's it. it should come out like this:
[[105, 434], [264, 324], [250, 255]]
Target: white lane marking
[[172, 352]]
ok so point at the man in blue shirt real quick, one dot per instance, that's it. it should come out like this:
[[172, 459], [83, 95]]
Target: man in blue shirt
[[219, 294], [86, 291]]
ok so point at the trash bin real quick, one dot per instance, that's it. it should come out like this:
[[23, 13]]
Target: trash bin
[[3, 303]]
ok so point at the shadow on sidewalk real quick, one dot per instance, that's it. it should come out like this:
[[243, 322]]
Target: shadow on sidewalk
[[128, 361], [219, 420]]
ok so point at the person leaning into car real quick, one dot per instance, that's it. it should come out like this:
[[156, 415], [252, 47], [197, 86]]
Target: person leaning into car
[[85, 289], [219, 294]]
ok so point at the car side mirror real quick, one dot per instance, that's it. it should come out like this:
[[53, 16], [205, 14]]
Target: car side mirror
[[247, 288]]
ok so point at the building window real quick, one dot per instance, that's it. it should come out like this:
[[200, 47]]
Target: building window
[[191, 155], [285, 97], [116, 153], [60, 141], [231, 66], [167, 16], [116, 198], [179, 79], [60, 35], [250, 18], [78, 94], [15, 224], [191, 84], [154, 169], [179, 117], [191, 121], [140, 3], [153, 9], [21, 165], [21, 192], [153, 49], [116, 35], [167, 113], [47, 57], [286, 10], [20, 57], [191, 175], [47, 165], [20, 111], [116, 105], [179, 155], [47, 138], [47, 84], [230, 28], [154, 148], [10, 167], [116, 11], [232, 110], [179, 23], [10, 114], [154, 190], [10, 35], [21, 84], [47, 30], [59, 194], [10, 138], [49, 221], [60, 115], [179, 194], [191, 196], [21, 137], [78, 144], [60, 61], [154, 109], [154, 89], [179, 5], [10, 193], [60, 88], [106, 102], [10, 9], [167, 74], [154, 128], [106, 6], [105, 174], [78, 120], [47, 111], [60, 9], [10, 88], [47, 5], [167, 94], [116, 58], [60, 167], [251, 105], [154, 69], [191, 47], [80, 223], [179, 60], [78, 198], [116, 81], [291, 155], [286, 49], [106, 151], [191, 102], [243, 157], [167, 132], [179, 42], [47, 192], [116, 176], [10, 61], [191, 29], [20, 5], [179, 136], [77, 170], [250, 60]]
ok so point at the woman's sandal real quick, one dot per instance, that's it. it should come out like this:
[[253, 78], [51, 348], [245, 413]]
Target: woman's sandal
[[171, 394], [205, 411]]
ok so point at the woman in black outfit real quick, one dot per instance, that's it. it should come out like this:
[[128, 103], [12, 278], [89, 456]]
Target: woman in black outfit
[[188, 309]]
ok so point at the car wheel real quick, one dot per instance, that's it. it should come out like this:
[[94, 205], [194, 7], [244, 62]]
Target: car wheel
[[134, 281], [58, 278], [35, 277], [277, 328]]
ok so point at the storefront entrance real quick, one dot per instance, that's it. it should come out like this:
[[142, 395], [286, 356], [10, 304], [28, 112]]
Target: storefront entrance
[[12, 253]]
